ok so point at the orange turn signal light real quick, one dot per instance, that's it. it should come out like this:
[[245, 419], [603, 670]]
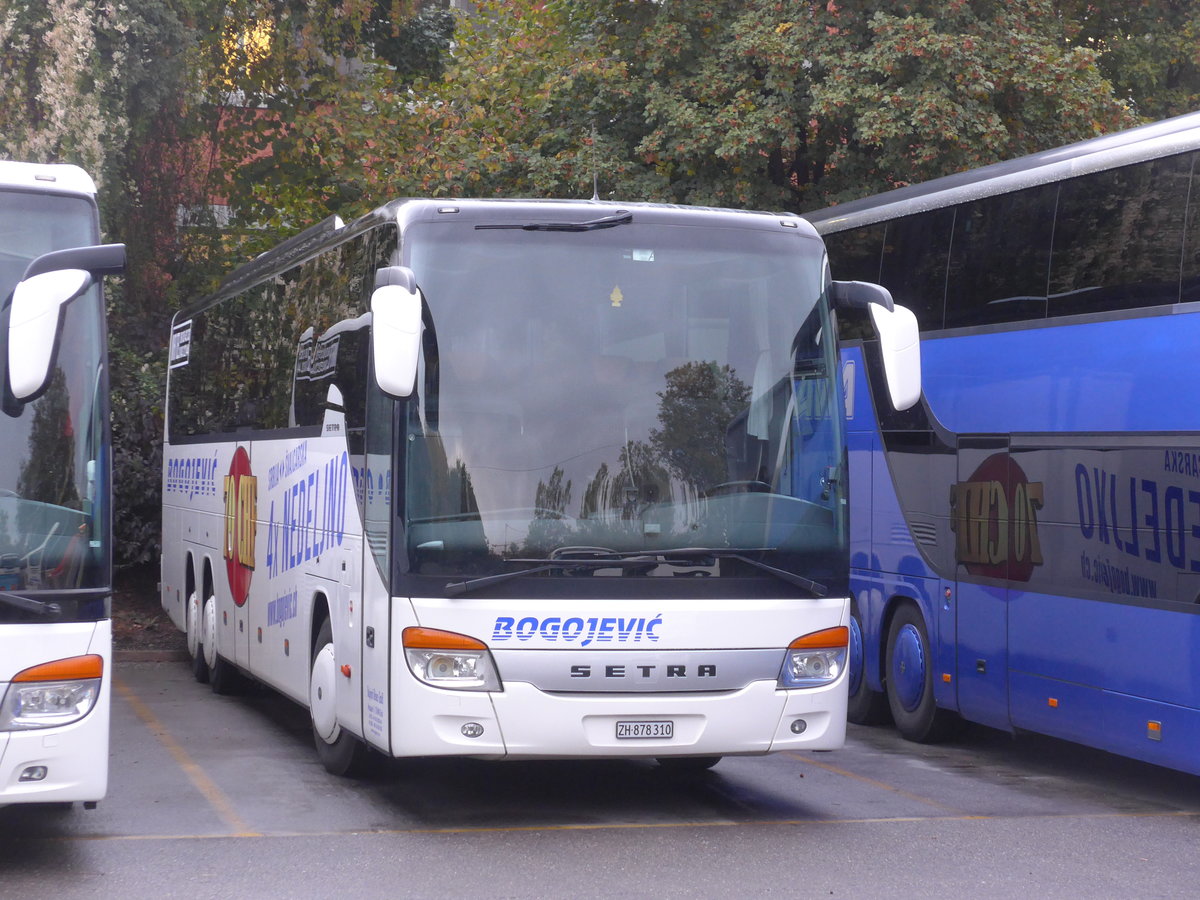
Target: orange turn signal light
[[435, 639], [824, 639], [70, 669]]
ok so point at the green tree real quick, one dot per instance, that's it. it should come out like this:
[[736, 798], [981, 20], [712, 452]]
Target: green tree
[[793, 104], [1147, 49], [695, 410]]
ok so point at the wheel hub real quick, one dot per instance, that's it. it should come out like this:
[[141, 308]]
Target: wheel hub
[[210, 632], [321, 693], [908, 667]]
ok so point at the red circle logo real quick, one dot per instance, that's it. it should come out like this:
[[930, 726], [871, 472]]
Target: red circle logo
[[241, 514], [994, 516]]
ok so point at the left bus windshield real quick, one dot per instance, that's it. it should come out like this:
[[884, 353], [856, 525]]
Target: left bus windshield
[[621, 391], [53, 524]]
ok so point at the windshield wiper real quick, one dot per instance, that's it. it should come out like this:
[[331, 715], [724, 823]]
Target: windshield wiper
[[455, 588], [621, 218], [598, 558], [28, 604]]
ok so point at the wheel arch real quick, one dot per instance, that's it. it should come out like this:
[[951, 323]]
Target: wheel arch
[[320, 612], [189, 574], [209, 583]]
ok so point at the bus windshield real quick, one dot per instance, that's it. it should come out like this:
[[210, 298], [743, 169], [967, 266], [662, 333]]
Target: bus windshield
[[609, 394], [53, 519]]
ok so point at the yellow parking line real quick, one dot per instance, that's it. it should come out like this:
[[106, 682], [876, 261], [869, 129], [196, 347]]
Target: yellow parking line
[[214, 795], [874, 783]]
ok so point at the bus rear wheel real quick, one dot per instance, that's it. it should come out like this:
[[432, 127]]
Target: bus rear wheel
[[195, 639], [340, 752], [910, 681], [222, 676]]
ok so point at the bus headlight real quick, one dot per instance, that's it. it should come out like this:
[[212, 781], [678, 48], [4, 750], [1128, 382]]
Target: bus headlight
[[445, 659], [816, 659], [52, 694]]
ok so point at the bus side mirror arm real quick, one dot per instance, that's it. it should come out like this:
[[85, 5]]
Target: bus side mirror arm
[[35, 318], [899, 336], [860, 295], [396, 330]]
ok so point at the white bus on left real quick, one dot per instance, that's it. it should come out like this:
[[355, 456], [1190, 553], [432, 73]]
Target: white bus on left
[[55, 488]]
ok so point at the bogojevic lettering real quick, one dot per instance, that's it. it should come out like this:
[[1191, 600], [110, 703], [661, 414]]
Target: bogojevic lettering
[[607, 629]]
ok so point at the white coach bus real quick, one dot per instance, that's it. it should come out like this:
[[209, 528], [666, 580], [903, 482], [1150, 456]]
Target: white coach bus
[[55, 488], [516, 479]]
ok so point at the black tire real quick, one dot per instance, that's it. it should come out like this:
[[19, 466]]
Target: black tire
[[340, 752], [223, 676], [687, 765], [864, 706], [199, 666], [910, 681]]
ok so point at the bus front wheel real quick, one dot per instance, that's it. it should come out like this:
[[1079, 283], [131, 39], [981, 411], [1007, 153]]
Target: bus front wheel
[[910, 681], [864, 706], [339, 751]]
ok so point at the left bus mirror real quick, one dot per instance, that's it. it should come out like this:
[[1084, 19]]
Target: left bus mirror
[[35, 319], [396, 330]]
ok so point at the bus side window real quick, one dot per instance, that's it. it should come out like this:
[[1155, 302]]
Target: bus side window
[[856, 255], [1118, 238], [1000, 259], [913, 266]]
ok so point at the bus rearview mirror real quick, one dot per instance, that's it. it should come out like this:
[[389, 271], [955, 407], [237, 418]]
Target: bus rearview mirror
[[900, 346], [396, 330], [33, 326], [35, 318]]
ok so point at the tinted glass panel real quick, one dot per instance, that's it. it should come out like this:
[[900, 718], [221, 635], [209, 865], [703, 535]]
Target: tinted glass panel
[[1000, 259], [1118, 238], [1190, 275], [267, 358], [624, 390], [914, 264], [53, 470], [856, 255]]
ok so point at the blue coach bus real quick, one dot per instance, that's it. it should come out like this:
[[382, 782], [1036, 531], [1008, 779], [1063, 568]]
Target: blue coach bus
[[1026, 540]]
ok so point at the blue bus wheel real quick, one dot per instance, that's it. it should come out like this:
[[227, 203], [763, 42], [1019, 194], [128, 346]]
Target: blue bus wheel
[[864, 706], [910, 681]]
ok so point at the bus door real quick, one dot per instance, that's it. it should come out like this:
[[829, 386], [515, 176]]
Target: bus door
[[339, 561], [981, 519]]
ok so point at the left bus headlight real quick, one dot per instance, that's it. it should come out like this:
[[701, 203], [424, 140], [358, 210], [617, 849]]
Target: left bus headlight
[[816, 659], [52, 694], [445, 659]]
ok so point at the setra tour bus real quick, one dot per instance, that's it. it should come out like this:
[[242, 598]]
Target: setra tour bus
[[1025, 543], [55, 488], [517, 479]]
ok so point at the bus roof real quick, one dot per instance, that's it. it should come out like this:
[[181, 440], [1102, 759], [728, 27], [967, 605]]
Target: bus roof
[[56, 178], [409, 209], [1109, 151]]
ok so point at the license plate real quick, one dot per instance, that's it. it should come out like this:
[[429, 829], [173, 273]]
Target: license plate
[[661, 729]]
